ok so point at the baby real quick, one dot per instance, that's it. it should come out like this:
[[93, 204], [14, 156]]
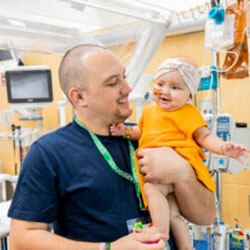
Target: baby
[[173, 122]]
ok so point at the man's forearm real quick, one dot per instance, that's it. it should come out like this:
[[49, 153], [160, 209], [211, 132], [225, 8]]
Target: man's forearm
[[195, 201], [40, 240], [26, 235]]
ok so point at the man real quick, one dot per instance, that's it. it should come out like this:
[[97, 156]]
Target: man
[[81, 179]]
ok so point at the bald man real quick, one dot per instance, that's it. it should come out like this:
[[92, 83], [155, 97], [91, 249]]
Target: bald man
[[82, 180]]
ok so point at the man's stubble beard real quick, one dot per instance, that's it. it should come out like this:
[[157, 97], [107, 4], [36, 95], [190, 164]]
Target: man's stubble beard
[[121, 118]]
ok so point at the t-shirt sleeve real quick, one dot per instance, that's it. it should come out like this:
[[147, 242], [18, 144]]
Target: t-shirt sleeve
[[190, 120], [35, 197]]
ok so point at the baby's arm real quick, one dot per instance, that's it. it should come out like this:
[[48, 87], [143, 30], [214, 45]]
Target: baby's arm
[[128, 132], [214, 144]]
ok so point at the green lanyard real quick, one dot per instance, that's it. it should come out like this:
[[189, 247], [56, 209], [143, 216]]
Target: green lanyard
[[109, 159]]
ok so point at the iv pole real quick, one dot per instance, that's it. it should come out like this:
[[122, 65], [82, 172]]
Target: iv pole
[[216, 61]]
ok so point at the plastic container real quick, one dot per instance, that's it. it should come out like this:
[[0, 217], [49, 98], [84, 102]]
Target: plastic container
[[220, 236], [220, 36], [203, 237], [237, 239]]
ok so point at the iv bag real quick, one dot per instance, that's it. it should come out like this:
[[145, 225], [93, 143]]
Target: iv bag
[[220, 36], [240, 68]]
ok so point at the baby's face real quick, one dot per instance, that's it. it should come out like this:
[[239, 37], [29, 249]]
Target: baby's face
[[170, 91]]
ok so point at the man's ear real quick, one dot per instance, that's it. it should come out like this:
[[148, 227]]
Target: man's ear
[[78, 97]]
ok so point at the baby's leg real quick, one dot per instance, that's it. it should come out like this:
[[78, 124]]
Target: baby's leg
[[178, 225], [158, 205]]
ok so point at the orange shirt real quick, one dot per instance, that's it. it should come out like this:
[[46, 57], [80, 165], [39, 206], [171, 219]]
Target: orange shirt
[[175, 129]]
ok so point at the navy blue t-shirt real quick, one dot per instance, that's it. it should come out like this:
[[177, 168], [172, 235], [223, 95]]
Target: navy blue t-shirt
[[64, 180]]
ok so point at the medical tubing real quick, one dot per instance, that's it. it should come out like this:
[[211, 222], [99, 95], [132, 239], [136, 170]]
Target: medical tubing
[[231, 66]]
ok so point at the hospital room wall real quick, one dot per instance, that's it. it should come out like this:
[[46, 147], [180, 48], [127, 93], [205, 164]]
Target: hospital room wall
[[234, 94]]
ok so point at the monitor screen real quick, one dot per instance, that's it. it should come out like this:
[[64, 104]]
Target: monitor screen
[[29, 85], [5, 55]]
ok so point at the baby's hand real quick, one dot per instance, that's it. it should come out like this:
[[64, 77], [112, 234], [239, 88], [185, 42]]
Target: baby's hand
[[117, 129], [235, 151]]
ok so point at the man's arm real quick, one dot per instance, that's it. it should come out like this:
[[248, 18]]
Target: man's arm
[[26, 235], [34, 236], [164, 165]]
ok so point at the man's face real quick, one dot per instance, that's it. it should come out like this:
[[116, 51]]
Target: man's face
[[108, 90]]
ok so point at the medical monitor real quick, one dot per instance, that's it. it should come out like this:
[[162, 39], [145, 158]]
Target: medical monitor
[[29, 85], [5, 55], [7, 59]]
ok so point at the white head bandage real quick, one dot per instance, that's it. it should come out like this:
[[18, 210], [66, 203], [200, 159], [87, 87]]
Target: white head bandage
[[188, 72]]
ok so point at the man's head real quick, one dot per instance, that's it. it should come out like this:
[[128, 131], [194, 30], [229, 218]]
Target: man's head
[[94, 81], [72, 71]]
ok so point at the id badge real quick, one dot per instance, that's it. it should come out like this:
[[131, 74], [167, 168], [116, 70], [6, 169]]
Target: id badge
[[141, 222], [138, 222]]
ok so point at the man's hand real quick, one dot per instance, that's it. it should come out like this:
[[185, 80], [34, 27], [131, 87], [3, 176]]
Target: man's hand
[[141, 240], [162, 165]]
